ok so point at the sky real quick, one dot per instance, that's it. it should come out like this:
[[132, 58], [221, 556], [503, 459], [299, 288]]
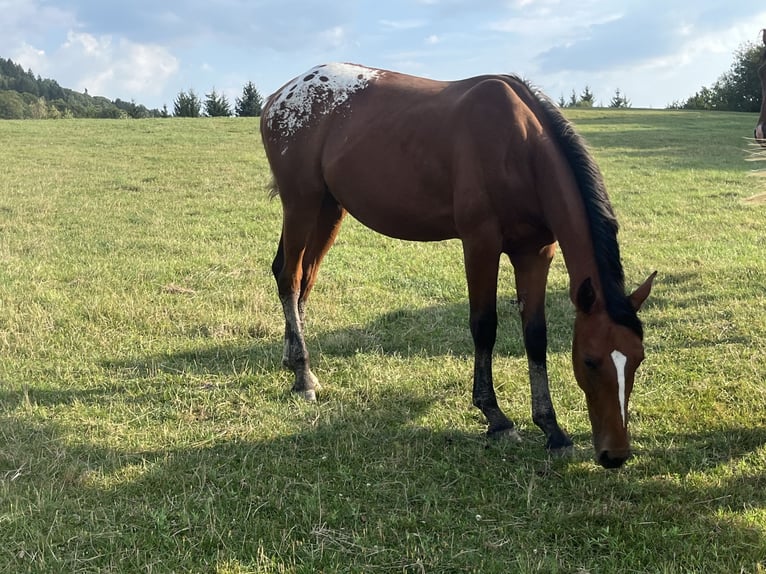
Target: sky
[[655, 52]]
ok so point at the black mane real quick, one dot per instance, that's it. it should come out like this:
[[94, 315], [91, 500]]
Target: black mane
[[601, 219]]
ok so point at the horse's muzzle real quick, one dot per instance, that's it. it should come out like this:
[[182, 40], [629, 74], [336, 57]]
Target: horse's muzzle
[[613, 458], [760, 134]]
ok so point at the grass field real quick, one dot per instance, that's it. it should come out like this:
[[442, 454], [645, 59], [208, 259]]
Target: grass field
[[146, 424]]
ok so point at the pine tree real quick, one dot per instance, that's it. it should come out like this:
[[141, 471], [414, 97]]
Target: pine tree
[[619, 100], [587, 99], [187, 105], [216, 105], [251, 103]]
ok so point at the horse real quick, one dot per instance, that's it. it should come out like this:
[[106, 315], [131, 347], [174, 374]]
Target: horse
[[490, 161], [760, 127]]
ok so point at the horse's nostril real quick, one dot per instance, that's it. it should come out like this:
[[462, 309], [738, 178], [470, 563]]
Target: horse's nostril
[[613, 459]]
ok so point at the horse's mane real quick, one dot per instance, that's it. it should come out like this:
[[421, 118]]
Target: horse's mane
[[601, 219]]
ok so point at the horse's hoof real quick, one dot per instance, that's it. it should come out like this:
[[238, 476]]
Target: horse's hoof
[[506, 434], [559, 444], [562, 451], [308, 395], [306, 385]]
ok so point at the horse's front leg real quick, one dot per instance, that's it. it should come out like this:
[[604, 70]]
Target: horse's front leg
[[481, 265], [531, 277]]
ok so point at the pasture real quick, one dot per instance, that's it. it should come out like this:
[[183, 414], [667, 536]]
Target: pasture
[[146, 423]]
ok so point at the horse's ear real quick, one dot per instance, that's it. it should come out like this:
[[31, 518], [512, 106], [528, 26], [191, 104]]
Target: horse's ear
[[764, 36], [638, 296], [586, 297]]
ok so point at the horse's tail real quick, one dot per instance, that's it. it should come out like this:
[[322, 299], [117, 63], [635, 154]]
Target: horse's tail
[[273, 188]]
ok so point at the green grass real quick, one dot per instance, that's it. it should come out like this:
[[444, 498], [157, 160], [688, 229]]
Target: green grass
[[146, 424]]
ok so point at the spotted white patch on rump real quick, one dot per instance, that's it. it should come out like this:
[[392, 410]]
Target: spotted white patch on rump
[[317, 92], [620, 361]]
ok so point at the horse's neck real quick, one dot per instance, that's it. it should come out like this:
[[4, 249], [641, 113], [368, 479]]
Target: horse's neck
[[577, 248], [565, 213]]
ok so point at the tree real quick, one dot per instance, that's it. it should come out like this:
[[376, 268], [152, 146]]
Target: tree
[[251, 103], [738, 90], [187, 105], [11, 105], [572, 99], [619, 100], [216, 105], [38, 109], [587, 98], [44, 98]]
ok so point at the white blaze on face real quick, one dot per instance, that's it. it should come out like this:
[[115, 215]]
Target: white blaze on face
[[620, 361], [320, 90], [759, 132]]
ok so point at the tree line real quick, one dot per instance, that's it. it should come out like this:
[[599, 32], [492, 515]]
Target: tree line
[[24, 95], [189, 105], [587, 99], [737, 90]]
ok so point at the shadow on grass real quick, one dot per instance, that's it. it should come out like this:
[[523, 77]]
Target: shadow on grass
[[443, 329], [366, 489], [434, 331]]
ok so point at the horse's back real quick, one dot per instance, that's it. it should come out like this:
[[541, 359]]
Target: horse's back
[[397, 151]]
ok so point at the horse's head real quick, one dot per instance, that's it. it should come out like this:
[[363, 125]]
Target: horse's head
[[605, 356], [760, 127]]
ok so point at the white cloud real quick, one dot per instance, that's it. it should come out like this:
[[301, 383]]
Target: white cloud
[[402, 24], [432, 40], [30, 58], [144, 68], [333, 37], [87, 43], [104, 67]]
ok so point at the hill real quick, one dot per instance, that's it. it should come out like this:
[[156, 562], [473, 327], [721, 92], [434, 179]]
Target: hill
[[24, 95]]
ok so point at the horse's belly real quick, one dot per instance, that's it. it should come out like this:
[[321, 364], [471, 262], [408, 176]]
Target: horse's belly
[[406, 226], [392, 193], [400, 212]]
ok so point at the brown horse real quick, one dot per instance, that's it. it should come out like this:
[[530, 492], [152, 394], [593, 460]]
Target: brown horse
[[489, 161], [760, 127]]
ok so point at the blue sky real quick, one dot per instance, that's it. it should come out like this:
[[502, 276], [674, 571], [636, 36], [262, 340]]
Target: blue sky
[[654, 51]]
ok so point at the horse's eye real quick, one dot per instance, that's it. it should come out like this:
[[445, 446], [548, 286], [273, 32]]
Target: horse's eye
[[592, 364]]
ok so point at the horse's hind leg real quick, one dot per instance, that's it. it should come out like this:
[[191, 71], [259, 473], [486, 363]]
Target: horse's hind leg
[[306, 237], [328, 224], [531, 272], [277, 267]]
